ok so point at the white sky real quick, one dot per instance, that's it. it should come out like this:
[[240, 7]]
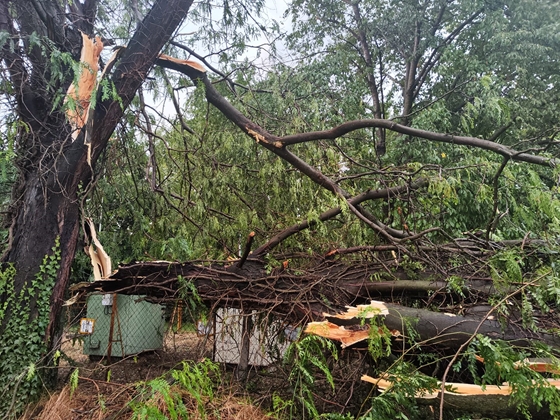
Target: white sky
[[273, 10]]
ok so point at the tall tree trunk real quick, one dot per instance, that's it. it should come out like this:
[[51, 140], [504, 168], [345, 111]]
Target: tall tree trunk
[[372, 84], [55, 172]]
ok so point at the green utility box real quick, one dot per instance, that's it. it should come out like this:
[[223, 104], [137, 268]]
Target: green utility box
[[138, 325]]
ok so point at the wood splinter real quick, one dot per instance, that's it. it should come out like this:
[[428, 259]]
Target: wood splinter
[[79, 92]]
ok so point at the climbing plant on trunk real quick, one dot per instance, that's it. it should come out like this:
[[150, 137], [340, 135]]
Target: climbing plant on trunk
[[41, 42]]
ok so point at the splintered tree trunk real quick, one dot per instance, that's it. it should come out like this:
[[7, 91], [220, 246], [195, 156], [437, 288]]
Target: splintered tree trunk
[[54, 172]]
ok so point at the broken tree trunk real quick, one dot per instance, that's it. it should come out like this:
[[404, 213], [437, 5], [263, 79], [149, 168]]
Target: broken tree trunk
[[54, 171], [328, 286], [431, 328], [488, 401]]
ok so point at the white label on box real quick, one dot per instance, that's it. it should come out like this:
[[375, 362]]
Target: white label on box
[[86, 325], [107, 300]]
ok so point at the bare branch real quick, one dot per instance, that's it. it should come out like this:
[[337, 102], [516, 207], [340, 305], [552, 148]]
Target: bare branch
[[350, 126]]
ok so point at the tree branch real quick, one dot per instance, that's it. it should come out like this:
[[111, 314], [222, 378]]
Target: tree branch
[[246, 251], [350, 126], [329, 214], [370, 76], [496, 183], [133, 67], [439, 50]]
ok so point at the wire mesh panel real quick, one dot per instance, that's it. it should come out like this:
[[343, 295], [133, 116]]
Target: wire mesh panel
[[121, 325], [118, 326], [267, 339]]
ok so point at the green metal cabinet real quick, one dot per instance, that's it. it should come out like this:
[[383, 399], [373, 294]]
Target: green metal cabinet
[[138, 325]]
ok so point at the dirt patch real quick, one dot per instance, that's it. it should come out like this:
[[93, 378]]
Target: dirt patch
[[105, 389], [177, 347]]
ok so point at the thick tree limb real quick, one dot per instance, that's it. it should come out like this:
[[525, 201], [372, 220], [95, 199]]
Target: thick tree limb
[[290, 299], [329, 286], [252, 129], [134, 65], [277, 145], [274, 144], [52, 17], [350, 126], [489, 401], [432, 327], [329, 214], [454, 330]]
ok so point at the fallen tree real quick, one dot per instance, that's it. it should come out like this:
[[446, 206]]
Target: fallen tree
[[446, 313], [415, 312], [406, 204]]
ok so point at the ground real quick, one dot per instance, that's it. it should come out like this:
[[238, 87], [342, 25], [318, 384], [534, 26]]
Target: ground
[[104, 390]]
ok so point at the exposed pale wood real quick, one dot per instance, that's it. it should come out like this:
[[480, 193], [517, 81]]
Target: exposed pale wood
[[100, 260], [456, 388], [80, 92], [385, 384], [190, 63], [537, 365], [336, 332], [355, 334], [375, 308]]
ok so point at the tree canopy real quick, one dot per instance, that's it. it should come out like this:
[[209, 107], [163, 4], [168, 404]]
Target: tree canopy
[[410, 126]]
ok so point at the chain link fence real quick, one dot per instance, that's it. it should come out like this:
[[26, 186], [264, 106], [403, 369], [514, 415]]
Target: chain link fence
[[121, 340], [115, 326]]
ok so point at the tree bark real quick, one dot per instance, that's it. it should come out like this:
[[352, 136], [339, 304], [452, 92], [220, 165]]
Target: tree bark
[[56, 173], [378, 105]]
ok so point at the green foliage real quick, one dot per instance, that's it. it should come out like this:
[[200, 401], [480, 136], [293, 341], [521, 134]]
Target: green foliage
[[189, 293], [215, 184], [281, 408], [399, 401], [410, 267], [504, 363], [22, 348], [194, 186], [153, 394], [307, 357], [228, 27], [379, 340], [160, 400], [199, 380], [74, 380], [547, 293], [506, 269], [455, 284]]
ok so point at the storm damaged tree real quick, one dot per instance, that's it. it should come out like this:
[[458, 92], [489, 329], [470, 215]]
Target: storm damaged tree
[[443, 213], [442, 224], [41, 44], [446, 92]]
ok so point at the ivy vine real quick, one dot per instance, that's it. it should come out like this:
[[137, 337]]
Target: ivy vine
[[22, 345]]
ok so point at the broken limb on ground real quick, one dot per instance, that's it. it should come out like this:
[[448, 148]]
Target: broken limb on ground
[[416, 307]]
